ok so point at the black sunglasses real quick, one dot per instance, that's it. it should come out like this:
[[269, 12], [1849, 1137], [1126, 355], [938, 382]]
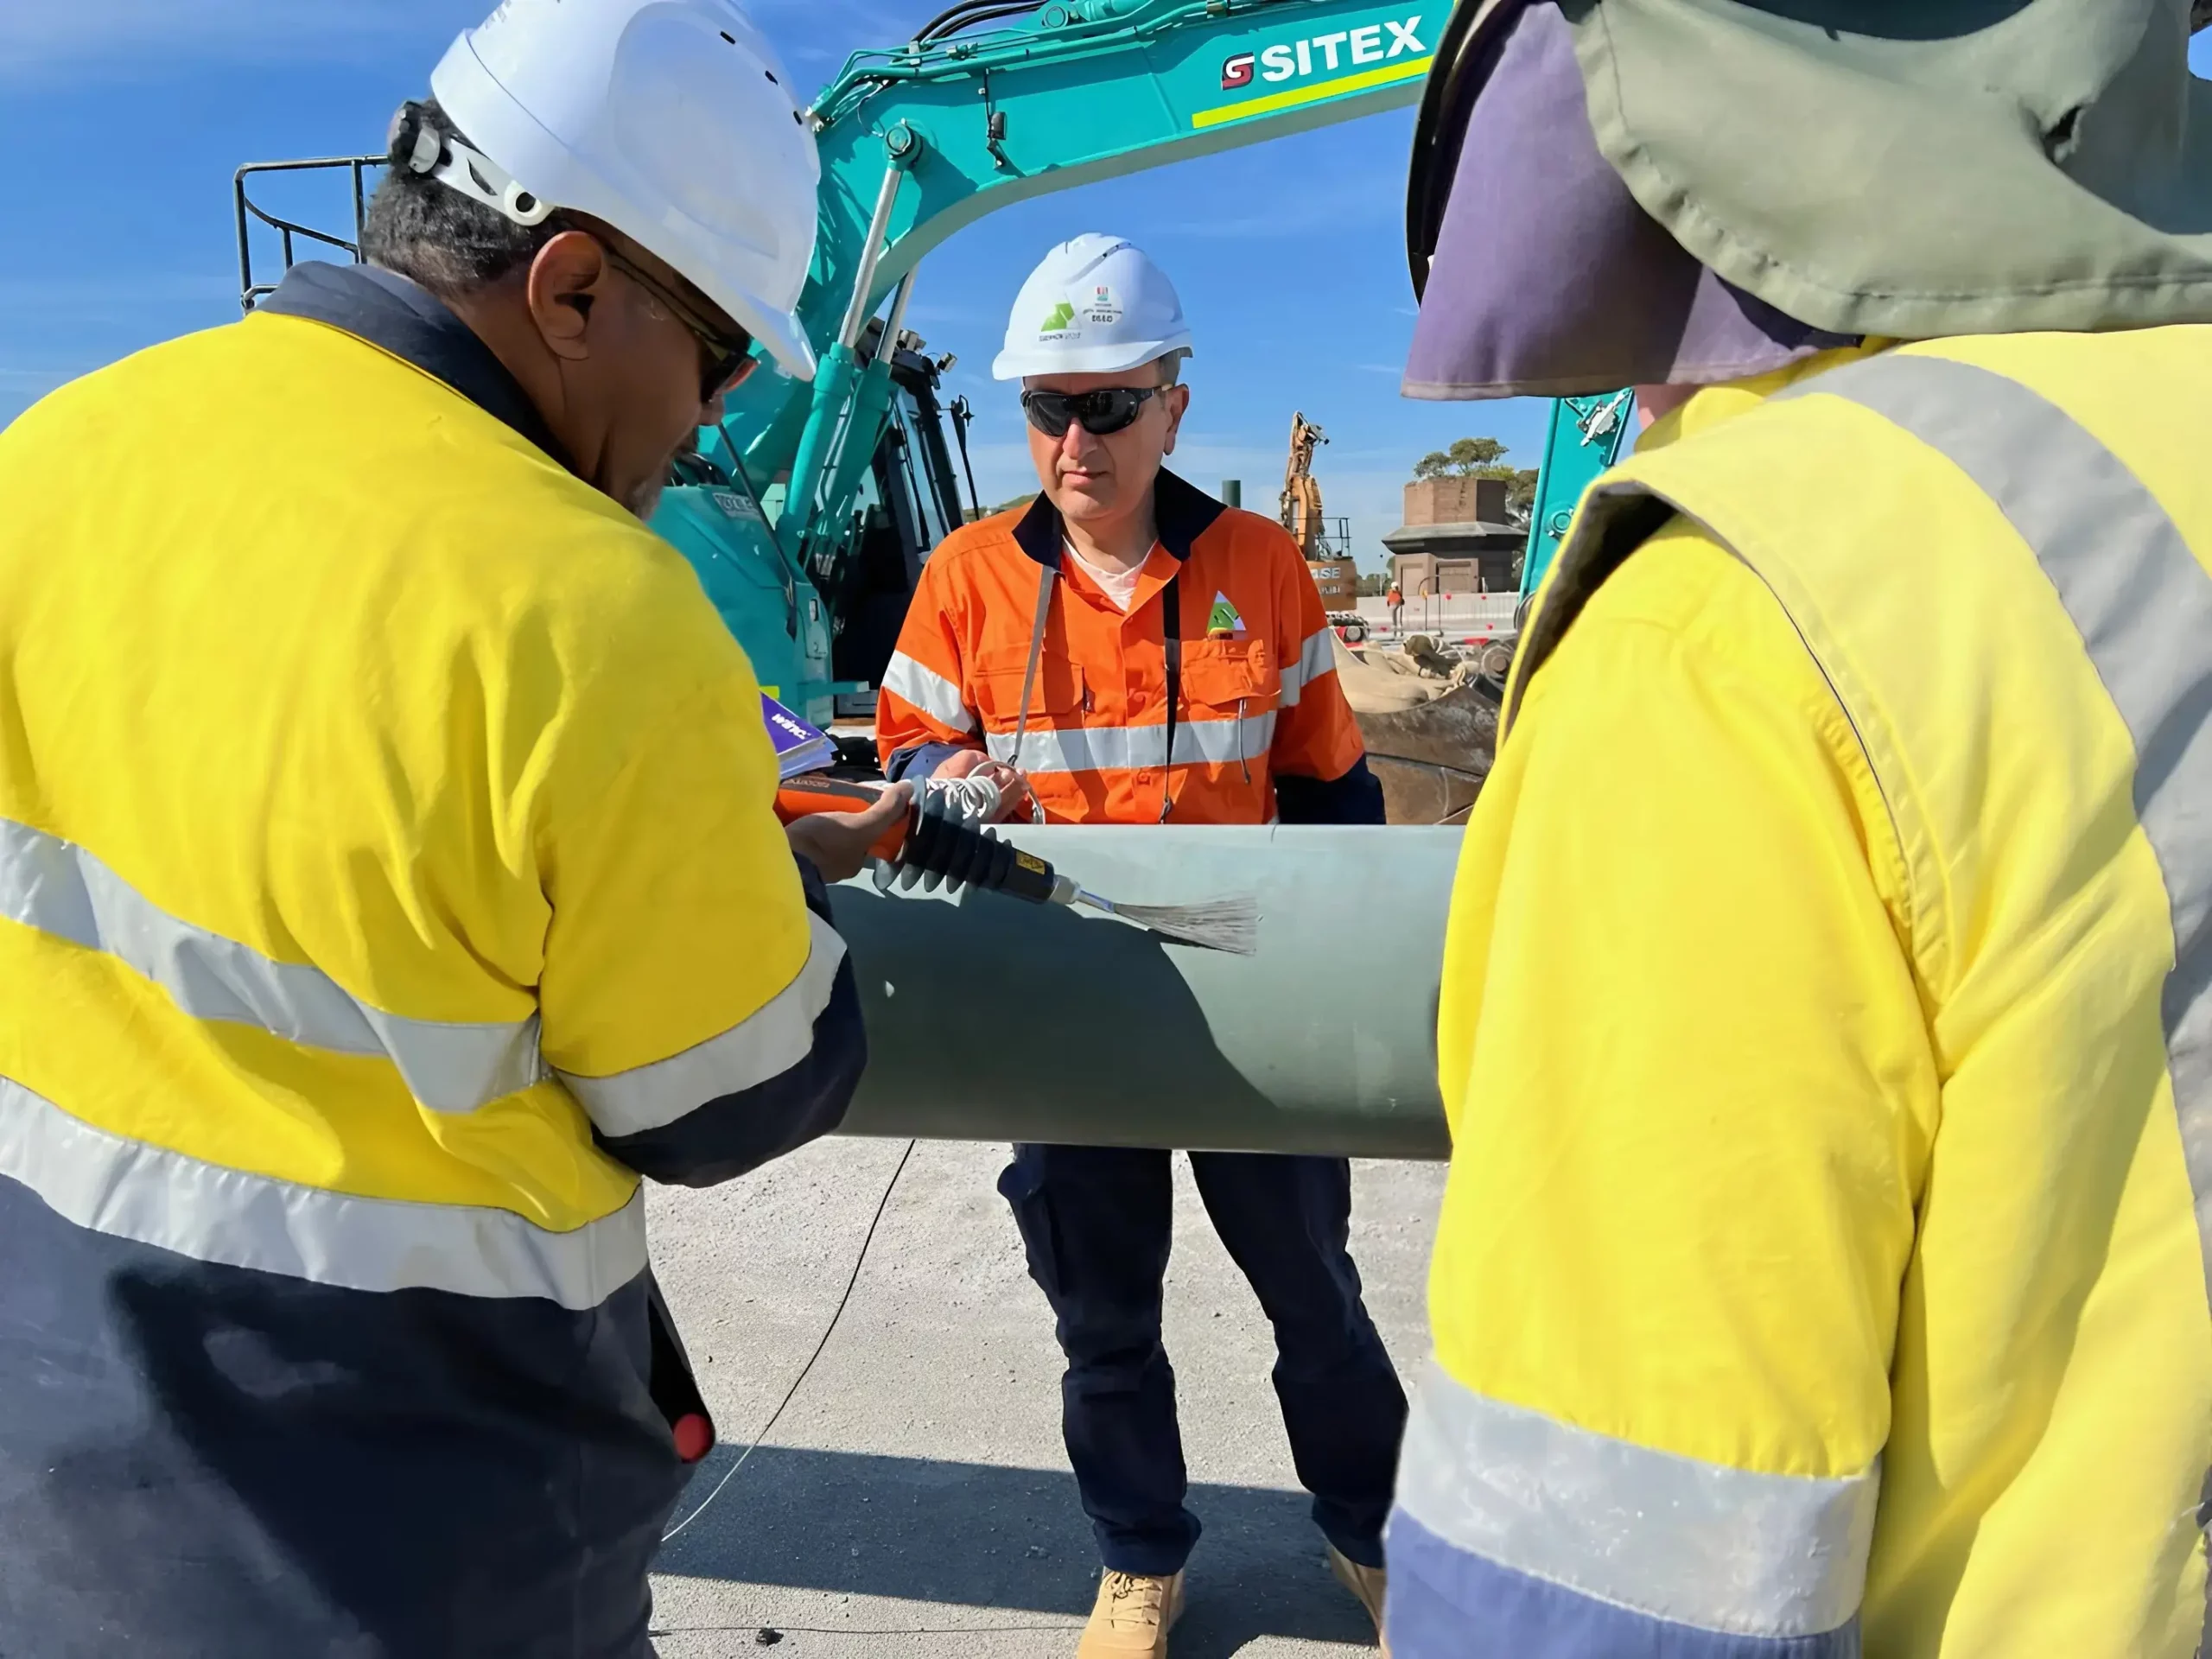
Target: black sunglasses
[[1108, 410], [724, 359]]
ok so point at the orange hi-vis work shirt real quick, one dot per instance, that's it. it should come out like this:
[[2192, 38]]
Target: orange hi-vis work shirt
[[1256, 695]]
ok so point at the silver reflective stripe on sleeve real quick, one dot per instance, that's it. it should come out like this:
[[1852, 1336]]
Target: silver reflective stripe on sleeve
[[929, 691], [127, 1189], [2143, 603], [1318, 656], [765, 1044], [1113, 748], [61, 888], [1692, 1542]]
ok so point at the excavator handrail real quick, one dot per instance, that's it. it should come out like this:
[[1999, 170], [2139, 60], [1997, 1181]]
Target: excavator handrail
[[246, 210]]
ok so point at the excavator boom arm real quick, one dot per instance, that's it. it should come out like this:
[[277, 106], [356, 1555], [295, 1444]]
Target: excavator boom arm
[[919, 141], [1088, 90]]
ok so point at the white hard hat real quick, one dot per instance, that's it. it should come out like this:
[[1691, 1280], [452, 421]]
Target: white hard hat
[[1097, 305], [671, 120]]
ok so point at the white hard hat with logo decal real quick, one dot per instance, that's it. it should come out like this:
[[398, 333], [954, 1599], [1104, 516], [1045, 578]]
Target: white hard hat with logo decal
[[1097, 305], [671, 120]]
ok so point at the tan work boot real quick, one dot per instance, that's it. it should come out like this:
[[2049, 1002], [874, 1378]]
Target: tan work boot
[[1133, 1617], [1366, 1583]]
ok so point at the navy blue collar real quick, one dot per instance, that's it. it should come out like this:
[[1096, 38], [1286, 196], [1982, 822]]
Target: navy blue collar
[[1182, 512], [407, 320]]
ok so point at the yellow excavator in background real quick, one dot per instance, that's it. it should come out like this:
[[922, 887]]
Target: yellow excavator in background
[[1329, 557], [1429, 736], [1301, 491]]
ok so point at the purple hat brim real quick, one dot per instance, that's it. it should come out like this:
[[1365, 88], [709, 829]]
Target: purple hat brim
[[1547, 279]]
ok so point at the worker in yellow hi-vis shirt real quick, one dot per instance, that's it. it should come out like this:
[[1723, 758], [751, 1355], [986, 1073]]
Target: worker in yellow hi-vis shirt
[[1827, 1023], [388, 878]]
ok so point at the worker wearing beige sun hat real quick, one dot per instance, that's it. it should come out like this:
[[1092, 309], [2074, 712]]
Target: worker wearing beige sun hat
[[1827, 1021]]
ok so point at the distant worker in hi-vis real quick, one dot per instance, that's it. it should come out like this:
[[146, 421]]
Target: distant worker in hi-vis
[[1827, 1015], [1128, 650], [388, 878]]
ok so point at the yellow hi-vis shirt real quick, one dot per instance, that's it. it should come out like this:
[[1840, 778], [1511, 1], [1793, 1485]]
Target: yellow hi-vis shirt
[[1824, 1037], [385, 822]]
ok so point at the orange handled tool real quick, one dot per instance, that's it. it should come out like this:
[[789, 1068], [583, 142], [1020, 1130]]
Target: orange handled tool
[[814, 791], [931, 839]]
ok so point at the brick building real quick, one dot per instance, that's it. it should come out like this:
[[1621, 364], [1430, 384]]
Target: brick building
[[1456, 538]]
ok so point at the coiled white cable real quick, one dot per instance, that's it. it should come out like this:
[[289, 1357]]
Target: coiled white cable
[[976, 798]]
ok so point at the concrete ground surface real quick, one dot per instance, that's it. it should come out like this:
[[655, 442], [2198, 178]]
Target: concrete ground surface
[[914, 1499]]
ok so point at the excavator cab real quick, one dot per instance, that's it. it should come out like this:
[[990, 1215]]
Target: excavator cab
[[908, 503]]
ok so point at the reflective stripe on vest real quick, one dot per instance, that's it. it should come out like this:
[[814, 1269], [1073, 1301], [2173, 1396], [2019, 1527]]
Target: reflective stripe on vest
[[448, 1066], [63, 889], [1765, 1556], [2143, 605], [1593, 1513], [1110, 748], [767, 1043], [928, 691], [1316, 658], [150, 1195]]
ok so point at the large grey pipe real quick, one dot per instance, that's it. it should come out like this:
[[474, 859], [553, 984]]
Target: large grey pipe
[[993, 1019]]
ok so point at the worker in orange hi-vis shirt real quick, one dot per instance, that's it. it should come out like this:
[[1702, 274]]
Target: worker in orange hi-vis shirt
[[1128, 650]]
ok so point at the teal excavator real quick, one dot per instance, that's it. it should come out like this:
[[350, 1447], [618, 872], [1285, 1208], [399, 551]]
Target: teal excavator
[[807, 514]]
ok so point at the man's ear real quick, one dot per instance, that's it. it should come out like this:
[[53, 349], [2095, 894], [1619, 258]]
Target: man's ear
[[568, 274], [1175, 400]]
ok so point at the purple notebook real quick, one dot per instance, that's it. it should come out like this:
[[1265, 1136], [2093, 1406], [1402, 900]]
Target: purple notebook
[[799, 746]]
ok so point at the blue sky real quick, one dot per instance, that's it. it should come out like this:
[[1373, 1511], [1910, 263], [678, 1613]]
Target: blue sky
[[125, 118]]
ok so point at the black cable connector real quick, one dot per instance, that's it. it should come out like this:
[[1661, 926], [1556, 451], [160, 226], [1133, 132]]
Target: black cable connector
[[941, 844]]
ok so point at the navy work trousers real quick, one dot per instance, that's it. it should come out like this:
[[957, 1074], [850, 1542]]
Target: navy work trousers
[[1098, 1223]]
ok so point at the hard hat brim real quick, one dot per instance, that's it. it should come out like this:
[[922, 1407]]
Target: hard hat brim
[[783, 334], [1015, 363]]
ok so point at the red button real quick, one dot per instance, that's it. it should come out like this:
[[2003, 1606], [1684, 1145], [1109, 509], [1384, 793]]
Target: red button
[[694, 1437]]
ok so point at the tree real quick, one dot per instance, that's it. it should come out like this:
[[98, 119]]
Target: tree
[[1520, 494], [1483, 458], [1466, 458]]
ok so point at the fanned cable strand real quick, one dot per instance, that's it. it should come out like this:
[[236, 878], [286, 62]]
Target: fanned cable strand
[[1230, 924]]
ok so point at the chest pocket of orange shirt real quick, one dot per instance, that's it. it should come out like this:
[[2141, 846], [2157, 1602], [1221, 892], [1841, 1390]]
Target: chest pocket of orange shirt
[[1054, 698], [1219, 675]]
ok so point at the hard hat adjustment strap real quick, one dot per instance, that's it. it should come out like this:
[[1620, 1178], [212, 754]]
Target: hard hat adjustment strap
[[428, 148], [476, 175], [1044, 582]]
